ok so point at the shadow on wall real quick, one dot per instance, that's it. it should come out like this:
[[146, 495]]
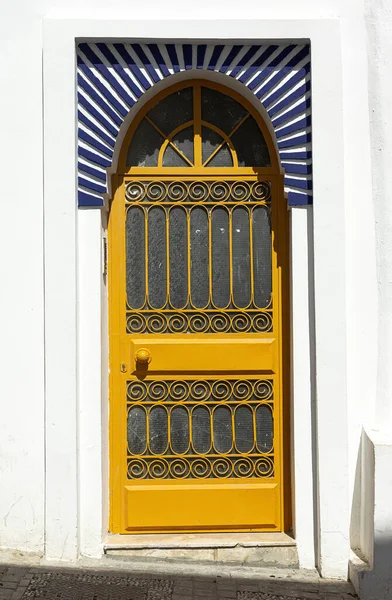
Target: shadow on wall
[[371, 518]]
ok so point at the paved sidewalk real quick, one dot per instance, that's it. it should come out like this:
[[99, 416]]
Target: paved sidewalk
[[28, 583]]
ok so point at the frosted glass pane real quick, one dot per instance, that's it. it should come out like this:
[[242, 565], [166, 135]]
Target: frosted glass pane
[[264, 429], [144, 147], [221, 110], [158, 430], [222, 158], [183, 140], [241, 258], [135, 259], [262, 259], [201, 435], [220, 257], [137, 430], [243, 429], [250, 145], [171, 158], [178, 257], [179, 430], [210, 142], [172, 111], [199, 257], [222, 429], [157, 257]]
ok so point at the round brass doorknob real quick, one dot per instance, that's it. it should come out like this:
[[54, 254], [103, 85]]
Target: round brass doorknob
[[143, 356]]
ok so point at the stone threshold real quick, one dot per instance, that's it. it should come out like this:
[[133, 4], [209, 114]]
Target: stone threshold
[[179, 541]]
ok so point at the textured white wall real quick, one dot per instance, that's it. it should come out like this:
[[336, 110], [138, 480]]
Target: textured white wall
[[375, 481], [21, 312], [379, 28]]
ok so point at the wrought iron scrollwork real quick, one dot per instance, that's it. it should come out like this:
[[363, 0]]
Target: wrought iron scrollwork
[[197, 428]]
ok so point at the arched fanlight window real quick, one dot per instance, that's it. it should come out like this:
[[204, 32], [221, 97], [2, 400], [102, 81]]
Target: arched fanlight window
[[198, 126]]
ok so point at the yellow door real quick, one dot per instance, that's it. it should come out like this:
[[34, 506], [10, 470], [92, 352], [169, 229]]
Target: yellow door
[[197, 268]]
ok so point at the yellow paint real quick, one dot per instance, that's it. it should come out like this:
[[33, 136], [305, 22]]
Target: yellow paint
[[198, 354], [168, 360], [230, 506]]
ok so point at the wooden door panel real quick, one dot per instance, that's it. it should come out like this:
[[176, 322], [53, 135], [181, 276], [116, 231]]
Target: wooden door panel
[[243, 506]]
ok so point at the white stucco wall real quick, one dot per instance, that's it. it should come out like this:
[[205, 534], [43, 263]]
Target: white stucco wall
[[23, 462], [21, 314], [379, 30]]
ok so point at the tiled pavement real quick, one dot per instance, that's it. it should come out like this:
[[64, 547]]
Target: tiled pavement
[[27, 583]]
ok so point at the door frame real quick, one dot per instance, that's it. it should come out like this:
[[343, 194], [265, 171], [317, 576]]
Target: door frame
[[280, 274]]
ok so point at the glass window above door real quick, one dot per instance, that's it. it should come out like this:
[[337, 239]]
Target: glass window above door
[[198, 126]]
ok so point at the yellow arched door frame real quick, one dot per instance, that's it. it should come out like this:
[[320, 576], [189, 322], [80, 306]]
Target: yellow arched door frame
[[122, 351]]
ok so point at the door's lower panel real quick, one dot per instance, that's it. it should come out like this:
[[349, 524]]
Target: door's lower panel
[[194, 506]]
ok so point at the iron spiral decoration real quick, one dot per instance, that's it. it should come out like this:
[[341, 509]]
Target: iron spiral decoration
[[199, 322], [198, 191], [200, 428]]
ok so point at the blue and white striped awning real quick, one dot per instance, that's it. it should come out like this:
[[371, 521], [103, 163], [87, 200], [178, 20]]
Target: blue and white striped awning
[[113, 76]]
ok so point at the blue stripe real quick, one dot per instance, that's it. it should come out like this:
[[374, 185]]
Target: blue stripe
[[296, 169], [286, 70], [300, 108], [159, 59], [91, 171], [141, 54], [229, 58], [297, 199], [215, 57], [124, 76], [297, 126], [305, 138], [104, 104], [253, 68], [301, 74], [270, 67], [201, 52], [107, 109], [298, 93], [301, 155], [91, 185], [303, 184], [132, 66], [94, 158], [171, 50], [247, 56], [187, 52], [83, 119], [294, 60], [87, 105], [98, 64], [89, 200], [112, 80], [83, 135]]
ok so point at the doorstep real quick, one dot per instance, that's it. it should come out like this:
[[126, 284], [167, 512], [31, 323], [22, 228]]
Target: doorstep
[[253, 549], [196, 540]]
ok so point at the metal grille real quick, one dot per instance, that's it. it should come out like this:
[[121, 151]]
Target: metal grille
[[200, 428], [198, 256], [229, 134]]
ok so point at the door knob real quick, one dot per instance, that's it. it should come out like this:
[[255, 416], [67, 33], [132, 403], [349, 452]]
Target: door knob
[[143, 356]]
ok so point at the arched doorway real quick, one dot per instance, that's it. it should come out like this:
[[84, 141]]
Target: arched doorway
[[197, 295]]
